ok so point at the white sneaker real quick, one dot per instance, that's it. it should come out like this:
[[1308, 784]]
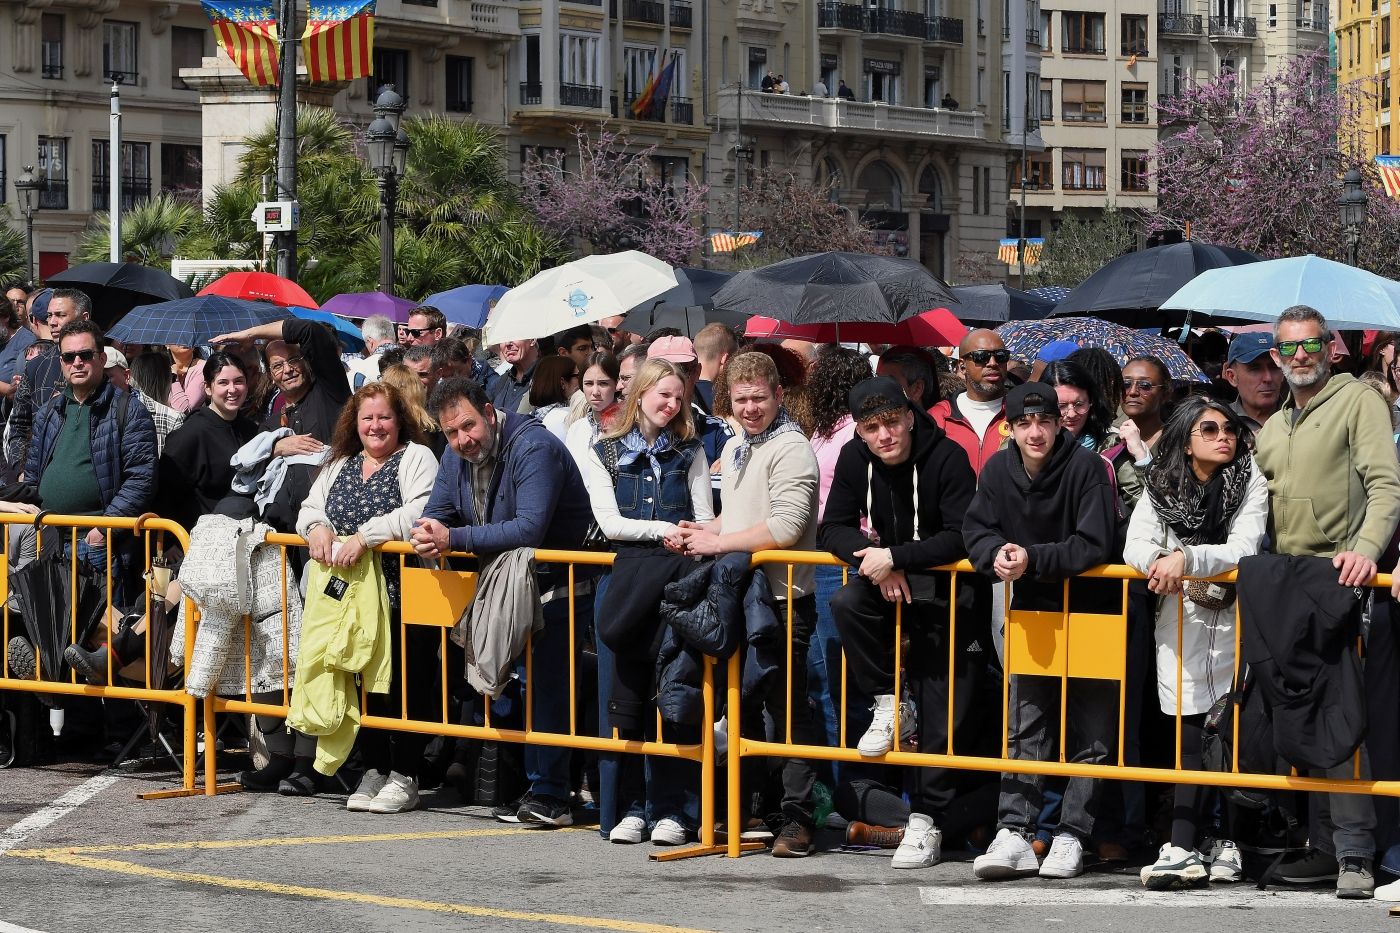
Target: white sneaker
[[398, 795], [1065, 858], [630, 830], [370, 785], [669, 832], [1388, 892], [1226, 863], [1174, 868], [1009, 856], [922, 845], [879, 738]]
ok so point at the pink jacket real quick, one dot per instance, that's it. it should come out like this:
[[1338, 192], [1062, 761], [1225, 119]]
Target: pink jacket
[[828, 449]]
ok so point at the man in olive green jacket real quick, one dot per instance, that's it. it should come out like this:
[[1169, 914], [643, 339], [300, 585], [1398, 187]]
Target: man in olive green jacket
[[1334, 491]]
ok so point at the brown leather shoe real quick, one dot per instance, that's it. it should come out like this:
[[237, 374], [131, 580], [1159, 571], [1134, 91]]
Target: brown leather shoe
[[794, 841], [1040, 847], [1111, 852], [866, 834]]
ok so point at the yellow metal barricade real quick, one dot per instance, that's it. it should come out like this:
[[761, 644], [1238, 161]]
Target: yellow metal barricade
[[152, 681]]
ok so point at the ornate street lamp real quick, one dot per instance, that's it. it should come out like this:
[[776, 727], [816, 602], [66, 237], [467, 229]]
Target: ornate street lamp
[[27, 188], [1352, 208], [388, 155]]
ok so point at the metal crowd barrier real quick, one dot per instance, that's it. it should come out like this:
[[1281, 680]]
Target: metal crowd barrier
[[155, 683]]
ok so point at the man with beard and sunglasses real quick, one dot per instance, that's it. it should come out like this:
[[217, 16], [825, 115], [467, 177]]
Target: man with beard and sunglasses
[[1334, 492], [974, 418]]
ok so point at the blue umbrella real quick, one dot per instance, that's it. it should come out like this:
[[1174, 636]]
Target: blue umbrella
[[192, 322], [1350, 298], [349, 334], [1025, 338], [468, 304]]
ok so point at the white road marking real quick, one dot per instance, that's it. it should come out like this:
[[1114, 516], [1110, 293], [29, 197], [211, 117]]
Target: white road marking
[[55, 811], [994, 894], [11, 928]]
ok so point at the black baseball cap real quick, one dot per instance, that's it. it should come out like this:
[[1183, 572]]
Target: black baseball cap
[[1031, 398], [875, 396]]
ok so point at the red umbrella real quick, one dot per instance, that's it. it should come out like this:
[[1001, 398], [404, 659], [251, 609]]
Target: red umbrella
[[260, 286], [936, 328]]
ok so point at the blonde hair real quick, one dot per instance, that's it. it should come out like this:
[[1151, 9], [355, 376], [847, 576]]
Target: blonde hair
[[410, 387], [682, 427]]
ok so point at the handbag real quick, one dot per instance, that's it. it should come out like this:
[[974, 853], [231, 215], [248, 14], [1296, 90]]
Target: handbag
[[593, 538], [1210, 596]]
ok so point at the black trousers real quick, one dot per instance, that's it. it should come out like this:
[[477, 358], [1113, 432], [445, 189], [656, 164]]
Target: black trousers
[[403, 751], [865, 621]]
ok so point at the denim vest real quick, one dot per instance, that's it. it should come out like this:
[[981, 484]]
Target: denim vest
[[638, 495]]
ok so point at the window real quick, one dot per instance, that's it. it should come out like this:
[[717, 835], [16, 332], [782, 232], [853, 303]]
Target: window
[[182, 170], [1040, 172], [2, 168], [459, 84], [1045, 45], [1384, 101], [119, 52], [1082, 101], [1175, 77], [1047, 99], [1082, 32], [390, 67], [1032, 108], [933, 86], [987, 190], [758, 66], [186, 51], [1384, 148], [831, 68], [1273, 15], [530, 71], [1134, 170], [136, 174], [51, 47], [1385, 35], [1134, 35], [724, 60], [53, 162], [981, 86], [1134, 99], [578, 60], [1083, 169], [1006, 100], [882, 79]]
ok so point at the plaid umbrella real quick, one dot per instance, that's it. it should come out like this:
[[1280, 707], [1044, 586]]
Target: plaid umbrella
[[191, 322], [1025, 338]]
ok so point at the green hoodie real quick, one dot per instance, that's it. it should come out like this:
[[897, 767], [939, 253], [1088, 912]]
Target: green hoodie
[[1334, 483]]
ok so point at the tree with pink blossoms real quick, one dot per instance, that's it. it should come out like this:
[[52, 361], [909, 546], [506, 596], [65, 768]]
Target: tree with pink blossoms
[[1260, 169], [606, 195]]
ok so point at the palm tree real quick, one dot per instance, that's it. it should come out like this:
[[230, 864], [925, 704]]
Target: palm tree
[[152, 232], [14, 268]]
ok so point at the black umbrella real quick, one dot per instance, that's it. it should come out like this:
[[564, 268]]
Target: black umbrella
[[1130, 289], [996, 304], [117, 287], [836, 288], [687, 307], [44, 592]]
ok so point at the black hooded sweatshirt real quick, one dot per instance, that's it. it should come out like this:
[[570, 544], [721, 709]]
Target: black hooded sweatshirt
[[1066, 519], [194, 467], [861, 480]]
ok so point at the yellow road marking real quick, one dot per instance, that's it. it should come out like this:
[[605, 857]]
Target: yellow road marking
[[327, 894], [280, 841]]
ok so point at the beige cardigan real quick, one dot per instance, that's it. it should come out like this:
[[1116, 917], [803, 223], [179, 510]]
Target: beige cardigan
[[417, 471]]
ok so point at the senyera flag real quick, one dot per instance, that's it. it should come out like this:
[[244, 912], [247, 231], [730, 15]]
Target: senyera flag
[[1389, 168], [247, 31], [339, 40]]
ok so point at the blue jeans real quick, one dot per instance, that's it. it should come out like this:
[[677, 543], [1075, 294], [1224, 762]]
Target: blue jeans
[[546, 766], [824, 684], [95, 557]]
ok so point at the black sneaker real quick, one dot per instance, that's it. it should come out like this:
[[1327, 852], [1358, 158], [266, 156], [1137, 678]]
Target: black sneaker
[[298, 784], [24, 664], [794, 841], [545, 811], [509, 812], [1312, 867], [8, 739]]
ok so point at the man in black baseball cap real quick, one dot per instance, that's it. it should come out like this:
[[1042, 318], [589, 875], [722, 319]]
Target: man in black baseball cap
[[904, 480]]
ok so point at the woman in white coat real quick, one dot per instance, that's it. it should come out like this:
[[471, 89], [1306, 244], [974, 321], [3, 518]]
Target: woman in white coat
[[1204, 508]]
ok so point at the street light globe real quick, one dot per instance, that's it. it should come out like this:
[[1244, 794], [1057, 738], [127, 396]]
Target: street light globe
[[27, 188], [1352, 203], [401, 145], [381, 138], [389, 105]]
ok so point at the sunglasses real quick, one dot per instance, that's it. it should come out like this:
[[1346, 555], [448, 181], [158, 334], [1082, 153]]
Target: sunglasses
[[983, 357], [1210, 430], [284, 365], [1142, 385], [414, 332], [72, 356], [1289, 348]]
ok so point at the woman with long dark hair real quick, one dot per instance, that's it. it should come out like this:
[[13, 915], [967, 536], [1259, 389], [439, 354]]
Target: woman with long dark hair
[[1083, 412], [600, 375], [1147, 386], [1205, 506], [150, 376]]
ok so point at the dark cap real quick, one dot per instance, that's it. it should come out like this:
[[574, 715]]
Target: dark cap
[[1031, 398], [39, 309], [1246, 348], [875, 396]]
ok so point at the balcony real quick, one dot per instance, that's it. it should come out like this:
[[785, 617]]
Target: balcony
[[883, 22], [54, 196], [681, 111], [1315, 23], [1233, 27], [1082, 46], [133, 191], [493, 17], [682, 16], [1179, 24], [896, 23], [644, 11], [120, 77], [1032, 37], [841, 16], [53, 72], [944, 29], [855, 118], [531, 92], [580, 95]]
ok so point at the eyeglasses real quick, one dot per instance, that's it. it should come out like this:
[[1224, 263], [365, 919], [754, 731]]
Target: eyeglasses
[[414, 332], [72, 356], [1142, 385], [1077, 407], [1210, 430], [983, 357], [282, 366], [1289, 348]]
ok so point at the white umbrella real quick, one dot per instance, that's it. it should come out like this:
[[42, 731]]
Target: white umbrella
[[1350, 298], [580, 292]]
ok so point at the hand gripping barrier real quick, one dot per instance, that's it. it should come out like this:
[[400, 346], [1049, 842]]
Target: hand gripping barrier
[[138, 542]]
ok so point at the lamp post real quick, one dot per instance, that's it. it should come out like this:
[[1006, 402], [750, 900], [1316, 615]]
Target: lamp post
[[1352, 208], [27, 189], [388, 154]]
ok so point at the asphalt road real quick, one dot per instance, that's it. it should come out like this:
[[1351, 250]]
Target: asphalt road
[[79, 852]]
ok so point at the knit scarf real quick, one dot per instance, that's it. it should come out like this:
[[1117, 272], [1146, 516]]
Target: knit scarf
[[782, 424], [1200, 513], [635, 447]]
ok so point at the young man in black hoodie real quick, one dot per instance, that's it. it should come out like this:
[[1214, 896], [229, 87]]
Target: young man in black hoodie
[[913, 485], [1045, 511]]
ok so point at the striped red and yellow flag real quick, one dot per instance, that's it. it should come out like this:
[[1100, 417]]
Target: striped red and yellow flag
[[339, 40], [1006, 251], [728, 242], [1389, 168], [248, 33]]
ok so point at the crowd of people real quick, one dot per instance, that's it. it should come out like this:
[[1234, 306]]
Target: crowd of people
[[683, 457]]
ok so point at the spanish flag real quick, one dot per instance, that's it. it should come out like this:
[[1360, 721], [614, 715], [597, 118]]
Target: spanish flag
[[248, 33], [338, 43]]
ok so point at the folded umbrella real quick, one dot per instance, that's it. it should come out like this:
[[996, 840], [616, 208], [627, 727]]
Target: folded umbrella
[[1025, 338], [53, 617], [1132, 289], [260, 286], [580, 292], [467, 304], [192, 322], [117, 287], [361, 305]]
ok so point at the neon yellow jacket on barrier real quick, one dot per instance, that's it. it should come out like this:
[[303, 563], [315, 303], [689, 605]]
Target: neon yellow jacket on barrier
[[344, 632]]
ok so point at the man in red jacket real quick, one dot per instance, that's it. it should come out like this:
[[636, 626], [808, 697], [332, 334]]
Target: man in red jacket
[[974, 419]]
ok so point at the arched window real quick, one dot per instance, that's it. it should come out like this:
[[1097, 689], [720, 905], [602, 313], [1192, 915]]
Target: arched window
[[931, 187], [881, 186]]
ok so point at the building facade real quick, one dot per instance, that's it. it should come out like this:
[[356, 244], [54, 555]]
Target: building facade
[[1365, 34]]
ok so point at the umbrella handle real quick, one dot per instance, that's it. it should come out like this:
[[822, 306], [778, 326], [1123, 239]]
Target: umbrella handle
[[39, 518], [140, 525]]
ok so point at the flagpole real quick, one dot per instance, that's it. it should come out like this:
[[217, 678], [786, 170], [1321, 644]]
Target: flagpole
[[114, 181], [287, 33]]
